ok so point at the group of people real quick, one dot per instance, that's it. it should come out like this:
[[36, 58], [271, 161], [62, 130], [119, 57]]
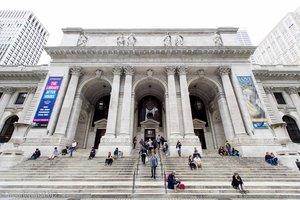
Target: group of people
[[227, 150], [271, 158], [150, 144]]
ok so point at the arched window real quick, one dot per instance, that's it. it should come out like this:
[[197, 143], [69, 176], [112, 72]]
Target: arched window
[[8, 129], [292, 129]]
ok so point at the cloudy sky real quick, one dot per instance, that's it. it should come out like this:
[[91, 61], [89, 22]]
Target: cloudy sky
[[257, 16]]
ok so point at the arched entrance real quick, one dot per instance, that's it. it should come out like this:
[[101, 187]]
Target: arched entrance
[[205, 113], [149, 112], [94, 112], [8, 129], [292, 129]]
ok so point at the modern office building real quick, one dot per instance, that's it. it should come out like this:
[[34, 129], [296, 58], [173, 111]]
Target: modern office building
[[282, 45], [22, 38]]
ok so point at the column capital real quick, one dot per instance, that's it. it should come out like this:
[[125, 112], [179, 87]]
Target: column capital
[[292, 90], [117, 70], [171, 70], [129, 70], [224, 70], [32, 89], [268, 89], [75, 71], [182, 70], [9, 90]]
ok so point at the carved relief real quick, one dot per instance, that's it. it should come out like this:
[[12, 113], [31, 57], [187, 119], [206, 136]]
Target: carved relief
[[82, 40], [121, 40], [9, 90], [98, 73], [167, 40], [218, 40], [131, 40], [150, 73], [179, 40]]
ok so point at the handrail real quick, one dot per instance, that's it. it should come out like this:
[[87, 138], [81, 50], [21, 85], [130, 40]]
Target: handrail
[[133, 182], [163, 172], [166, 191]]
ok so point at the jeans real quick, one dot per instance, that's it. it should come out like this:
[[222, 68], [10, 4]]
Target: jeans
[[71, 151], [153, 169], [143, 158]]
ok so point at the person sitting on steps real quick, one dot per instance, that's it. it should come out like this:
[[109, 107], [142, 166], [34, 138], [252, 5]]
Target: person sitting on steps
[[192, 163], [173, 183], [92, 153], [54, 154], [237, 182], [35, 155], [109, 160], [65, 151]]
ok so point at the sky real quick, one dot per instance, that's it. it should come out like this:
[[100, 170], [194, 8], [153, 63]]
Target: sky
[[258, 17]]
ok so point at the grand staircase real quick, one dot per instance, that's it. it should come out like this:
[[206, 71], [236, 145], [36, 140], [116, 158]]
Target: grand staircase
[[128, 178]]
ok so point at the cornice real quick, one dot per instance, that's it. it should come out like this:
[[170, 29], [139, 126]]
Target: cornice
[[153, 50], [23, 74], [276, 74]]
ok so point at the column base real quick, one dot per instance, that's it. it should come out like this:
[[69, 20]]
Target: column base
[[187, 145], [109, 144]]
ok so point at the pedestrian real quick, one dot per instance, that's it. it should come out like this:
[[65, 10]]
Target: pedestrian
[[178, 148], [134, 141], [54, 154], [237, 182], [153, 162], [65, 151], [228, 147], [173, 183], [158, 138], [73, 148], [92, 153], [143, 153], [298, 163]]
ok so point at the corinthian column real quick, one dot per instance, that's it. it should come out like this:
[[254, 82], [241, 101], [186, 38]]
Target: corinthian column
[[233, 106], [293, 92], [126, 104], [66, 109], [114, 103], [185, 101], [31, 92], [173, 109], [225, 116]]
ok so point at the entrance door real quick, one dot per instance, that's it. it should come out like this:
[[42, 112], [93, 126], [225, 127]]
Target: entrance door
[[200, 134], [98, 136], [149, 133]]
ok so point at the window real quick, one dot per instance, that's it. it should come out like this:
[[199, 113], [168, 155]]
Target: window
[[1, 93], [21, 98], [279, 98]]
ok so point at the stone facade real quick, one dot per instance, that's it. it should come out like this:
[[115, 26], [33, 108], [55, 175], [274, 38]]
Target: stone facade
[[177, 83]]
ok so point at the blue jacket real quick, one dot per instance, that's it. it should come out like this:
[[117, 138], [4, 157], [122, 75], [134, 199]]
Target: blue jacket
[[153, 161]]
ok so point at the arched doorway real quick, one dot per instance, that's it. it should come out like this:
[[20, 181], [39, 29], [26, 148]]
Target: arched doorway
[[292, 129], [94, 112], [8, 129], [150, 112]]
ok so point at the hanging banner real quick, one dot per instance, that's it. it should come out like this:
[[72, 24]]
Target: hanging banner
[[253, 102], [43, 113]]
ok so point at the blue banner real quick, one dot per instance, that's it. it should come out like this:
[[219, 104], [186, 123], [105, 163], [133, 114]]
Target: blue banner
[[43, 113], [253, 102]]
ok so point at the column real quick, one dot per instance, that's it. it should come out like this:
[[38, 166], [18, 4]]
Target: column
[[66, 109], [173, 109], [7, 92], [293, 92], [114, 103], [185, 101], [73, 123], [30, 95], [126, 104], [233, 107], [57, 107], [242, 104], [225, 116], [277, 119]]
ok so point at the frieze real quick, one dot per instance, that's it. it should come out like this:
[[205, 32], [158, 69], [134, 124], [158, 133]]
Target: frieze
[[279, 74]]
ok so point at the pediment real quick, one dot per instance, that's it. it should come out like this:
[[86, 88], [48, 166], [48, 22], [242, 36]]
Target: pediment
[[150, 122], [199, 124]]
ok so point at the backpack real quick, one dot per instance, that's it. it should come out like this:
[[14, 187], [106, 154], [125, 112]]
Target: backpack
[[181, 186]]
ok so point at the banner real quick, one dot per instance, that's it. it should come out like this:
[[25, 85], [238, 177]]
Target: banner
[[253, 102], [43, 113]]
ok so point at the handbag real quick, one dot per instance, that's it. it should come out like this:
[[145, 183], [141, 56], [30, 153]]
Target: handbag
[[147, 159]]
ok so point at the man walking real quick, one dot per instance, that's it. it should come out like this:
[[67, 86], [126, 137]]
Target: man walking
[[153, 161]]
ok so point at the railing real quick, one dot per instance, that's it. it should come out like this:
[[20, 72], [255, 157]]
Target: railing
[[163, 172], [133, 182], [166, 191]]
